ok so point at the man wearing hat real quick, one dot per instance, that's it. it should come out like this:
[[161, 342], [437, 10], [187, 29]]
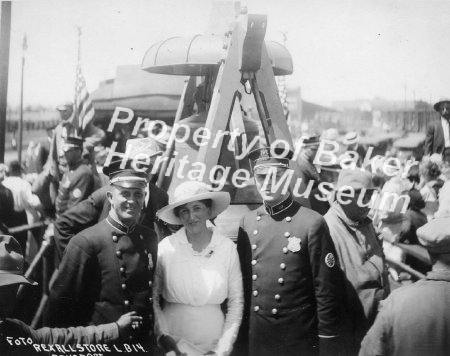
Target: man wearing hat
[[77, 182], [291, 275], [11, 330], [351, 144], [309, 171], [415, 319], [359, 252], [96, 207], [438, 132], [107, 269]]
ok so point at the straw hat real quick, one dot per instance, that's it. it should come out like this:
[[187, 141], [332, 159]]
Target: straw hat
[[188, 192]]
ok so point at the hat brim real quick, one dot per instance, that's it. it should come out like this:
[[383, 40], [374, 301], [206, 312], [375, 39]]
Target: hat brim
[[220, 201], [436, 106], [11, 278], [350, 142]]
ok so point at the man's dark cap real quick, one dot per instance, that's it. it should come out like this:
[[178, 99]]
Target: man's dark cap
[[311, 141], [72, 142], [121, 172], [264, 158]]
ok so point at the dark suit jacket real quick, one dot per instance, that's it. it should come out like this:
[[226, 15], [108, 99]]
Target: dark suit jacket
[[434, 141]]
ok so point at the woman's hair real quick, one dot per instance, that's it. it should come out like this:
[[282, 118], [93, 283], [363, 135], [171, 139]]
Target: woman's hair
[[207, 202]]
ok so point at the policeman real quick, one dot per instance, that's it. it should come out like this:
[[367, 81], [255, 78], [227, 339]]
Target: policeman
[[77, 182], [291, 276], [107, 269]]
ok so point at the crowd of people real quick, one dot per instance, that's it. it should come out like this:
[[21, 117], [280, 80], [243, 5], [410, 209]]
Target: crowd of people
[[136, 265]]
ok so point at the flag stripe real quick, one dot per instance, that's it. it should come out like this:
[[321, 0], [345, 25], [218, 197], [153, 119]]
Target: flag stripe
[[85, 110]]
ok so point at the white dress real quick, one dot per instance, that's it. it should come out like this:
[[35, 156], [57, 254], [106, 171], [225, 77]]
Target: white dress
[[193, 285]]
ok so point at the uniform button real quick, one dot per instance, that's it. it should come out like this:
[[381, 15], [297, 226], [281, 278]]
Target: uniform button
[[119, 253], [126, 303], [254, 277], [288, 218], [283, 266], [285, 250], [277, 297], [287, 234], [253, 262], [141, 237], [150, 299], [253, 247], [255, 232], [115, 239], [150, 283], [281, 280], [256, 308], [122, 269], [255, 293], [258, 218], [124, 286], [274, 311], [146, 252]]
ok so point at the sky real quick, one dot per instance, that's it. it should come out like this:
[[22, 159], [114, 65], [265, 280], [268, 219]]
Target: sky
[[341, 50]]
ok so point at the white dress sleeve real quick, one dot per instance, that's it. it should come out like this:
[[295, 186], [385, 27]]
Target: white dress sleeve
[[160, 326], [235, 305]]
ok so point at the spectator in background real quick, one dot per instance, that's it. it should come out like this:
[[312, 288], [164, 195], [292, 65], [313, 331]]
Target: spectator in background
[[6, 201], [26, 204], [438, 132], [351, 143], [77, 182], [430, 183]]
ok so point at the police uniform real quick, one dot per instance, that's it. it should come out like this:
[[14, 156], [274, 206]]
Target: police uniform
[[106, 271], [291, 278], [76, 184]]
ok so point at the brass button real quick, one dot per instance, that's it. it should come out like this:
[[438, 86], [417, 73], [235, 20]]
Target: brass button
[[126, 303], [253, 247], [285, 250], [287, 234], [150, 283], [146, 252], [141, 237], [258, 218], [256, 308], [124, 286], [277, 297], [255, 232], [253, 262], [115, 239], [119, 253], [122, 269], [283, 266], [288, 218], [281, 280], [255, 293], [274, 311], [150, 299], [254, 277]]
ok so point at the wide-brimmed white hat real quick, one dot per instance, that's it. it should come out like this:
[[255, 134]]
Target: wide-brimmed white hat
[[193, 191]]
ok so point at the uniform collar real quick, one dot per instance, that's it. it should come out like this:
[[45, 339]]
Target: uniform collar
[[280, 207], [439, 275], [119, 226]]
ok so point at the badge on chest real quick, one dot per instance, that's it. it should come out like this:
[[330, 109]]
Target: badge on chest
[[294, 244]]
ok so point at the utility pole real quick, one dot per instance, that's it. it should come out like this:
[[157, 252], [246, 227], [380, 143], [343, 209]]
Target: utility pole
[[24, 49], [5, 35]]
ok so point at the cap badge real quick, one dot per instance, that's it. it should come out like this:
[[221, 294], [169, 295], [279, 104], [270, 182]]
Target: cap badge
[[294, 244], [264, 154]]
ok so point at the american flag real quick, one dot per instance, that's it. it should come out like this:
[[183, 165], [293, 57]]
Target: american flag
[[84, 111], [282, 93]]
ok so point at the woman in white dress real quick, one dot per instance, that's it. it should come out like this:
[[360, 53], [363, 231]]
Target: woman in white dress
[[198, 269]]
